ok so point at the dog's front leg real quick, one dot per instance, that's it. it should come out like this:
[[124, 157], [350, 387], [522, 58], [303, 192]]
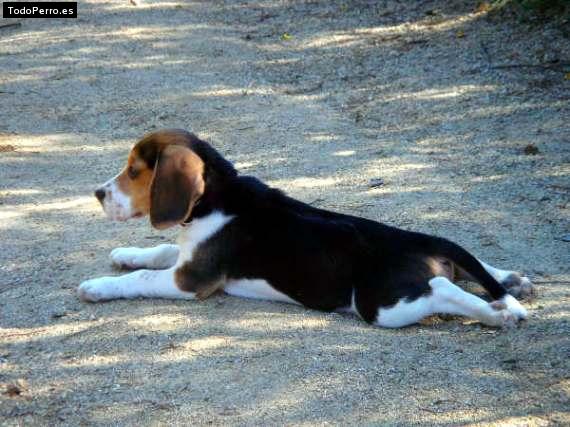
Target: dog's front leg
[[141, 283], [157, 258]]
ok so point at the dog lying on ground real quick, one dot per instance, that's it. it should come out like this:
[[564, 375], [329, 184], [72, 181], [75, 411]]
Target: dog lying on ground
[[249, 240]]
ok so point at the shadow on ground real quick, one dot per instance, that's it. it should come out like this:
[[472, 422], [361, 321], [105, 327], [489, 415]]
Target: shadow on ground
[[320, 99]]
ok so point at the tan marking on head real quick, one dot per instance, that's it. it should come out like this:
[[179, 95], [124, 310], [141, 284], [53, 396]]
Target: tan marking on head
[[135, 181], [165, 137], [178, 182]]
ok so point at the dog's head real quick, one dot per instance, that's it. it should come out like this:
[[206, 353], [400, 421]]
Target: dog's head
[[166, 174]]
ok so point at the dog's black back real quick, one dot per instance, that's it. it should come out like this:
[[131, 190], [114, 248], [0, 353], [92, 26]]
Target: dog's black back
[[322, 259]]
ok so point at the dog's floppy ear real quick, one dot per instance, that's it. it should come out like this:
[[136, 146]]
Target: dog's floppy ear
[[176, 185]]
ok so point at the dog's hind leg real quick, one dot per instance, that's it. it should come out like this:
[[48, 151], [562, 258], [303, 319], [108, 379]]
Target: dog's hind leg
[[517, 285], [447, 298], [157, 258]]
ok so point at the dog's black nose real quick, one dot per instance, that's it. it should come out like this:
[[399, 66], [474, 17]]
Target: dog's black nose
[[100, 194]]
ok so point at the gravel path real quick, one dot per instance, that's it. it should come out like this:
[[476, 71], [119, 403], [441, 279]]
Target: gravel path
[[461, 118]]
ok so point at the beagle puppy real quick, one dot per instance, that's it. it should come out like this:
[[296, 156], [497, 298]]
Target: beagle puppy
[[249, 240]]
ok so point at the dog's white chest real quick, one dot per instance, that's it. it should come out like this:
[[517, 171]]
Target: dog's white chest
[[199, 231]]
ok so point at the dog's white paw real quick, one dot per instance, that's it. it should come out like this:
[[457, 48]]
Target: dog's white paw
[[507, 319], [131, 258], [519, 286], [159, 257], [514, 307], [501, 316], [507, 312], [100, 289]]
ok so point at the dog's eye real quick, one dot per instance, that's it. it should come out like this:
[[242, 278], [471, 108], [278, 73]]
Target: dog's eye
[[132, 172]]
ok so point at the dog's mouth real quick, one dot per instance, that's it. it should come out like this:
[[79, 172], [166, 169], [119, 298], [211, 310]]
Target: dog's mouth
[[120, 214], [133, 216], [123, 218]]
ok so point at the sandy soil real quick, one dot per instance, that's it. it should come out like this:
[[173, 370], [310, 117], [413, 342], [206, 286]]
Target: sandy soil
[[464, 117]]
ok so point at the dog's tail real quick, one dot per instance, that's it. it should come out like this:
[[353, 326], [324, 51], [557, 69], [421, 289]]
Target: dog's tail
[[445, 248]]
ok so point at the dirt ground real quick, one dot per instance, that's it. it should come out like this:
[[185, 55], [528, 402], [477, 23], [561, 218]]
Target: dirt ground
[[461, 117]]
